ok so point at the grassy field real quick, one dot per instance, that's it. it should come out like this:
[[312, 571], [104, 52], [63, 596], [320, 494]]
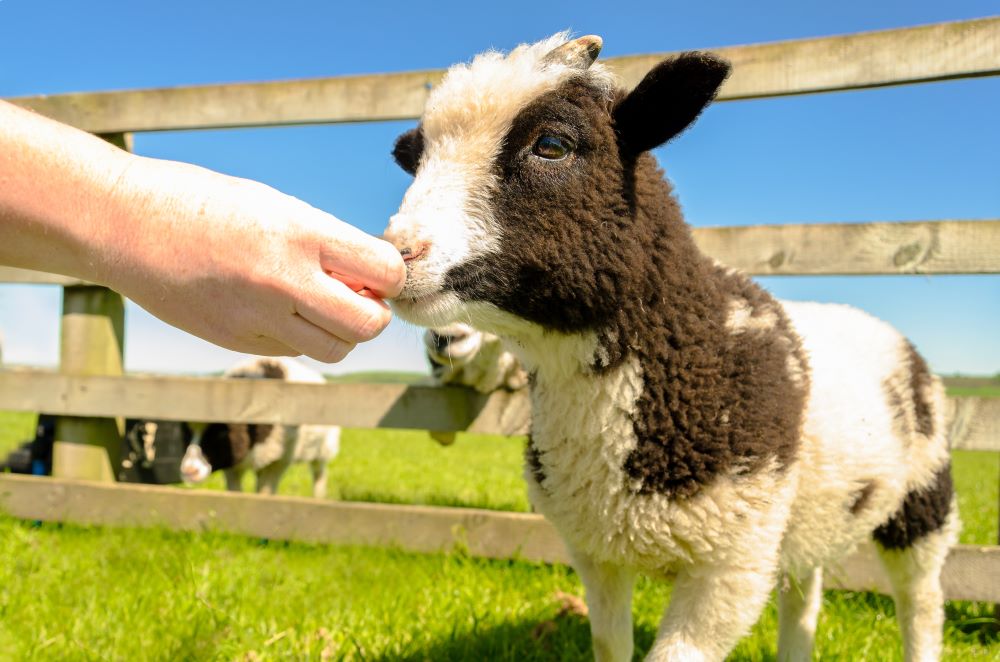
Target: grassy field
[[93, 594]]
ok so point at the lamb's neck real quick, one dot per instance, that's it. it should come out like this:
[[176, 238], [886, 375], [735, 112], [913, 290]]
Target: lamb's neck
[[555, 356]]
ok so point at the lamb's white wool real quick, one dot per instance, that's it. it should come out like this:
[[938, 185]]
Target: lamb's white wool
[[462, 355], [742, 318], [850, 434]]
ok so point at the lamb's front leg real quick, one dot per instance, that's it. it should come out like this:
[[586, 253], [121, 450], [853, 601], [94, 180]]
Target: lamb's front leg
[[712, 607], [609, 603]]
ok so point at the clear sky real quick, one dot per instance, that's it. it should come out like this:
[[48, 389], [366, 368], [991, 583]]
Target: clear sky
[[908, 153]]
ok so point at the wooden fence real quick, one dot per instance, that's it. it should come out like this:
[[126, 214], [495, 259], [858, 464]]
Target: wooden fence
[[90, 394]]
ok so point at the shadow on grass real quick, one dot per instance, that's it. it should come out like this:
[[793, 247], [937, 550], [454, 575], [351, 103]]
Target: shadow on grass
[[975, 621], [563, 639]]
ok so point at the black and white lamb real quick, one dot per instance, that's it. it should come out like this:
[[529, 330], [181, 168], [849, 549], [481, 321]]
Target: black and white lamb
[[267, 450], [684, 420], [463, 356]]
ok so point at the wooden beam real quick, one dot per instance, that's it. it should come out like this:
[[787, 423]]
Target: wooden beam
[[960, 49], [940, 51], [881, 248], [253, 401], [485, 533], [927, 247], [971, 573], [975, 421]]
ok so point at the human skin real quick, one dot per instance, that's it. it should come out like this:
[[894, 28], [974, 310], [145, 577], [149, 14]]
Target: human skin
[[227, 259]]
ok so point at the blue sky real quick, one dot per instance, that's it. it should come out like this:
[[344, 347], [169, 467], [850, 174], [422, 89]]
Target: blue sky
[[908, 153]]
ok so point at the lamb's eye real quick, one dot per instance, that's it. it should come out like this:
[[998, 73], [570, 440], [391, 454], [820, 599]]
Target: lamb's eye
[[552, 148]]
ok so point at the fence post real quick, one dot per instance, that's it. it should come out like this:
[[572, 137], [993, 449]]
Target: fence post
[[91, 343]]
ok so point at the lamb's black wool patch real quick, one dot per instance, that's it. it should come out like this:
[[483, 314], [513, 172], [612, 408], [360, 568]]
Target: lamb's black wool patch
[[408, 149], [534, 461], [596, 242], [920, 390], [227, 444], [923, 511]]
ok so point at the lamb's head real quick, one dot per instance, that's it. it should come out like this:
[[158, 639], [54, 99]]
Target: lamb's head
[[522, 212]]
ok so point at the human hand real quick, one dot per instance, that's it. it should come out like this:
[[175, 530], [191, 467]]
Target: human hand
[[243, 265]]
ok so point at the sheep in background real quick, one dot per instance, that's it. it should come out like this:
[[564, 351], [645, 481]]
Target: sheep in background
[[267, 450], [462, 355], [684, 420]]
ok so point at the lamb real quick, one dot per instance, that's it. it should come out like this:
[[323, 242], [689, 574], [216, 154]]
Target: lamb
[[684, 421], [266, 449], [464, 356]]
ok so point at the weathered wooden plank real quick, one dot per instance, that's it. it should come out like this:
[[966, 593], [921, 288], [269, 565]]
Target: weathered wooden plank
[[915, 247], [921, 247], [15, 275], [92, 343], [256, 401], [976, 421], [939, 51], [415, 528], [872, 59], [971, 573]]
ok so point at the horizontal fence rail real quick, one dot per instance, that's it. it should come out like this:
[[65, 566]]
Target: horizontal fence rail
[[971, 573], [975, 421], [905, 247], [942, 51], [265, 401]]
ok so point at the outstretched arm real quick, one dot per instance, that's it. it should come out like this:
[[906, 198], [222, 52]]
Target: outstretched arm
[[230, 260]]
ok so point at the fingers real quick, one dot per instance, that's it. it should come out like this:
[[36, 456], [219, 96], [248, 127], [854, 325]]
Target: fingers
[[314, 342], [334, 307], [360, 260]]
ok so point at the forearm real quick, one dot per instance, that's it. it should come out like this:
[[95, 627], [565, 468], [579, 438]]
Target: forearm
[[56, 195]]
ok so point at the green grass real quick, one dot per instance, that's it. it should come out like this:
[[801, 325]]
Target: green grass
[[91, 594], [978, 391], [72, 593], [379, 377]]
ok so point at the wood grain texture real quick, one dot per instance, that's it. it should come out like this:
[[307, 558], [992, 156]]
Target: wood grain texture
[[940, 51], [975, 421], [971, 573], [414, 528], [91, 343], [920, 247]]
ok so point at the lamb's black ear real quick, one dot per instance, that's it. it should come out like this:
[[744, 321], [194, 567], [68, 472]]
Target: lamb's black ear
[[668, 100], [408, 149]]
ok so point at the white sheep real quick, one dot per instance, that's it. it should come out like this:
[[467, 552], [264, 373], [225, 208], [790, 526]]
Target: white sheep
[[267, 450], [684, 420], [463, 356]]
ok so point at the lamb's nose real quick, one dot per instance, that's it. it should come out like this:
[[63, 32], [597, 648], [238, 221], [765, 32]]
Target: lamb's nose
[[401, 234], [414, 252]]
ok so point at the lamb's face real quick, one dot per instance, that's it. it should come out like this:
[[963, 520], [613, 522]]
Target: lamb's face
[[520, 211]]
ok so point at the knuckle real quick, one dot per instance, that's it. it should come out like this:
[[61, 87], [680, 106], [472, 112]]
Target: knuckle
[[370, 322], [335, 352]]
